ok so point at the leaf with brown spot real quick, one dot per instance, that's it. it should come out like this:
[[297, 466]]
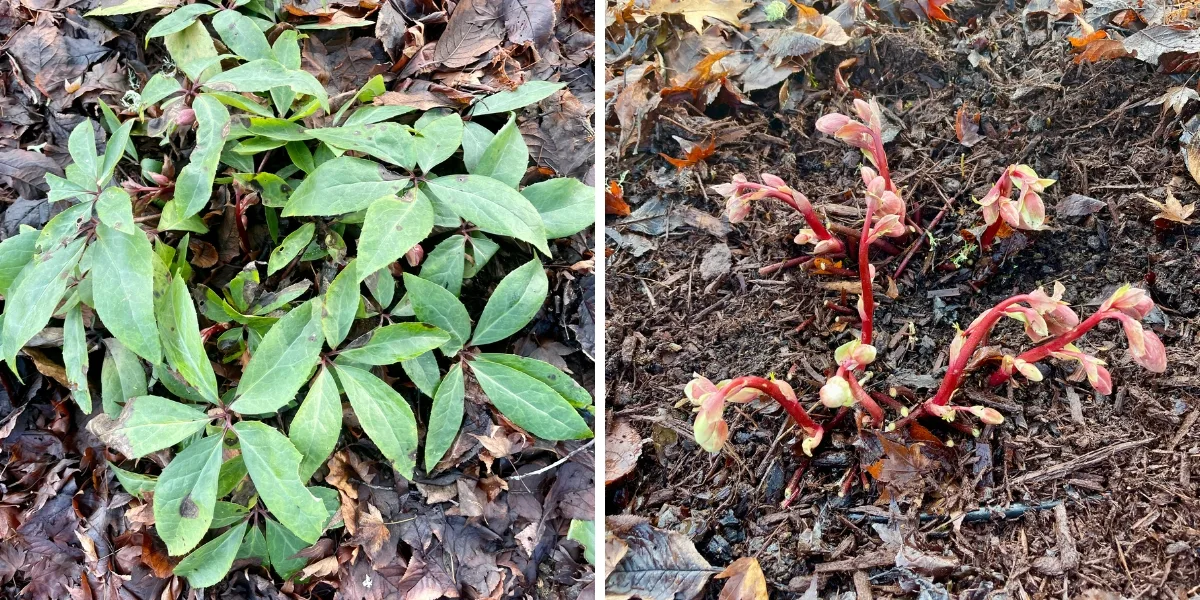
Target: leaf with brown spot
[[746, 581]]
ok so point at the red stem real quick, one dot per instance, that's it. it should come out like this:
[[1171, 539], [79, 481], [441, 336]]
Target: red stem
[[792, 407], [864, 273], [1036, 354], [801, 204], [957, 369], [989, 234]]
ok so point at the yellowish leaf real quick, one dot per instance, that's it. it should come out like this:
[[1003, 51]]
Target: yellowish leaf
[[746, 581]]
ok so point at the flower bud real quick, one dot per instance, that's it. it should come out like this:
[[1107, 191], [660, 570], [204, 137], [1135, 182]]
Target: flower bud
[[185, 117], [836, 393], [988, 415]]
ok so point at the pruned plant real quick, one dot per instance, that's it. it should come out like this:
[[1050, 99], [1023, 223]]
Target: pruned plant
[[1047, 319], [374, 217]]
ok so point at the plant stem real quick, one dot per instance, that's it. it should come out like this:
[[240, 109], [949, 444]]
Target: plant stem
[[864, 272], [792, 407], [954, 374], [1036, 354], [798, 201]]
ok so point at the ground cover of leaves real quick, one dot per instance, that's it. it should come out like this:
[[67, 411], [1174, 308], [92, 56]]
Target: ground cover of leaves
[[495, 525], [685, 295]]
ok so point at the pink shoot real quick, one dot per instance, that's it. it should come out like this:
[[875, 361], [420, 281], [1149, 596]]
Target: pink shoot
[[1026, 212], [1059, 328], [710, 427], [740, 192]]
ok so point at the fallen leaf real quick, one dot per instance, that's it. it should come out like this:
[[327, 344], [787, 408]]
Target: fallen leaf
[[693, 155], [1176, 98], [322, 568], [1165, 44], [746, 580], [695, 11], [614, 200], [651, 563], [1095, 46], [622, 448], [966, 127], [475, 28], [1172, 210], [1078, 205]]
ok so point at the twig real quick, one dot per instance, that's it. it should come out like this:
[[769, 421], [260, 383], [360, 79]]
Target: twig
[[555, 463]]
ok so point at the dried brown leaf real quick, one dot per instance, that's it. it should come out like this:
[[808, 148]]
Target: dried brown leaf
[[622, 448], [746, 580]]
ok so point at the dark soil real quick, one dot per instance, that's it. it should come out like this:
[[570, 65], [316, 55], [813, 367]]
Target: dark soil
[[1132, 509]]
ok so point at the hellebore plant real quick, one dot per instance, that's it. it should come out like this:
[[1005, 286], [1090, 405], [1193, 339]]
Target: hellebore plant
[[1027, 212], [1047, 319]]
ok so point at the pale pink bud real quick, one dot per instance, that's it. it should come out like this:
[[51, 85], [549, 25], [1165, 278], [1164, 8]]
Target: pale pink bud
[[831, 123], [773, 181], [989, 416], [836, 392]]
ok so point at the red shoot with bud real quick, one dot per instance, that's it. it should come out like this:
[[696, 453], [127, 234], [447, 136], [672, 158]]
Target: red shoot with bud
[[1047, 319]]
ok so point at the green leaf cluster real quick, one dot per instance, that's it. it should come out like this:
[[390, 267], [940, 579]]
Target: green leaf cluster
[[401, 245]]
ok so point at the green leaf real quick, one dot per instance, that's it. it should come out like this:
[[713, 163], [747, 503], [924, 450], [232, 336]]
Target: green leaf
[[317, 424], [515, 301], [186, 494], [437, 140], [482, 251], [529, 403], [287, 52], [566, 205], [282, 362], [384, 415], [82, 147], [376, 114], [209, 564], [262, 75], [342, 185], [253, 547], [159, 87], [194, 186], [240, 101], [179, 19], [546, 373], [445, 417], [393, 225], [64, 227], [129, 7], [389, 142], [174, 220], [476, 138], [278, 129], [125, 300], [424, 373], [341, 304], [148, 424], [382, 286], [75, 358], [191, 48], [506, 156], [121, 377], [232, 474], [446, 264], [133, 483], [438, 307], [115, 128], [34, 296], [227, 513], [242, 35], [180, 333], [491, 205], [398, 342], [528, 93], [282, 545], [584, 532], [115, 209], [292, 245], [274, 466], [117, 145], [15, 253], [301, 156]]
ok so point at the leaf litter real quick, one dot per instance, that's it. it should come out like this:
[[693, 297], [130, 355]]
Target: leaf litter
[[70, 529]]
